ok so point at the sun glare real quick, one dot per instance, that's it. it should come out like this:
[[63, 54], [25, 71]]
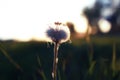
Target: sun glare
[[104, 25], [81, 24], [24, 20]]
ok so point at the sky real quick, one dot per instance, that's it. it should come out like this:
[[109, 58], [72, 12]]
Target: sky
[[28, 19]]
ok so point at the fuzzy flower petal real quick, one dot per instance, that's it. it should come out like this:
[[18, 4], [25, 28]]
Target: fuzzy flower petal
[[58, 33]]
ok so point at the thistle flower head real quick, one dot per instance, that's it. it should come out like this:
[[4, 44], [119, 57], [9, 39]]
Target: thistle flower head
[[58, 32]]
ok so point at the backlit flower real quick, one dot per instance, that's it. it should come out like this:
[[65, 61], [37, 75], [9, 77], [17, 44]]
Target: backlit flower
[[58, 32]]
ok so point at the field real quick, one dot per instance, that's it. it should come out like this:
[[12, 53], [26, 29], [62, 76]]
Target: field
[[98, 59]]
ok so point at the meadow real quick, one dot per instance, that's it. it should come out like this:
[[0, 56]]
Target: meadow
[[98, 59]]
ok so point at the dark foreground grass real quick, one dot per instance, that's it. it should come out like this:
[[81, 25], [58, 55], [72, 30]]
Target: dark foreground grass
[[99, 60]]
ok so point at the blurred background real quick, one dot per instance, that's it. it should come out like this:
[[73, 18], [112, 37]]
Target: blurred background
[[93, 52]]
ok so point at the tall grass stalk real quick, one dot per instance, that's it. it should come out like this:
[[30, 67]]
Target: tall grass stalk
[[41, 72], [90, 46], [114, 60], [10, 59]]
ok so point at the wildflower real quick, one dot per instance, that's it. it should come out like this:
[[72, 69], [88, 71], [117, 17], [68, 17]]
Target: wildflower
[[58, 32]]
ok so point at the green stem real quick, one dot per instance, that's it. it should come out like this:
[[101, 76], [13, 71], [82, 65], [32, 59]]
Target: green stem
[[55, 61]]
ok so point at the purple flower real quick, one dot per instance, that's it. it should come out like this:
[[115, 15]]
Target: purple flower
[[58, 32]]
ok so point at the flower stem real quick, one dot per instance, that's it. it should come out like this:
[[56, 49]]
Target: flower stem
[[55, 61]]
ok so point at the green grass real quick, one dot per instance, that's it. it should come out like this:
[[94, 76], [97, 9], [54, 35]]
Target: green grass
[[79, 60]]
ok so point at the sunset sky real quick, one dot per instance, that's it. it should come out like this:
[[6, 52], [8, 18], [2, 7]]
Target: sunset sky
[[27, 19]]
